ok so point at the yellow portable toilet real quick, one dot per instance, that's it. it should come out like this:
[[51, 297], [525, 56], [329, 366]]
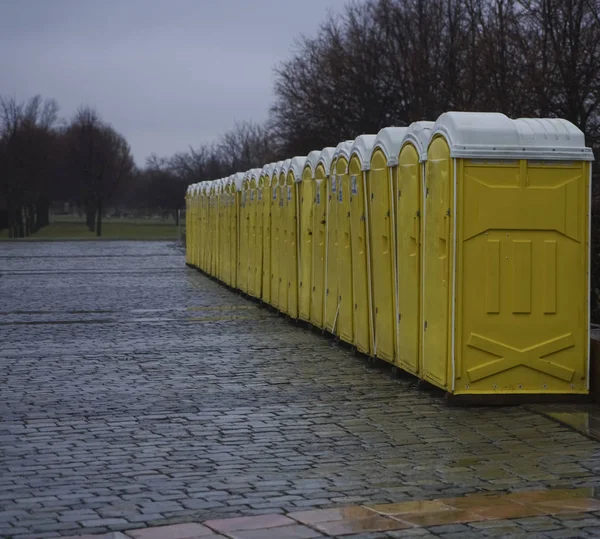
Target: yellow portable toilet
[[212, 221], [265, 203], [345, 301], [205, 242], [283, 237], [222, 258], [506, 286], [275, 232], [255, 245], [408, 192], [306, 204], [360, 163], [225, 231], [380, 186], [195, 224], [320, 216], [238, 181], [291, 216], [188, 218], [232, 234], [244, 233], [331, 245], [191, 215], [197, 255]]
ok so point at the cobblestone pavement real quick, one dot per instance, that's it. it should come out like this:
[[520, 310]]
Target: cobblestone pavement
[[137, 392]]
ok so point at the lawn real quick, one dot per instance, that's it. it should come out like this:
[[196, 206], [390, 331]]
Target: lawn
[[112, 229]]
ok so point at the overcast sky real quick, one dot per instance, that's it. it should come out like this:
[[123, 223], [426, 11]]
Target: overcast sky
[[166, 73]]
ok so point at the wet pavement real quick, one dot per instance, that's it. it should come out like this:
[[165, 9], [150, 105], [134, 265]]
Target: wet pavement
[[138, 392]]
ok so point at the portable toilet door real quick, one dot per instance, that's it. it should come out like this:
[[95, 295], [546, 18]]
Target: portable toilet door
[[259, 226], [506, 296], [384, 167], [275, 231], [222, 227], [266, 249], [283, 237], [188, 210], [306, 196], [320, 215], [242, 272], [409, 193], [198, 225], [211, 232], [251, 215], [292, 214], [331, 295], [195, 225], [233, 230], [205, 231], [360, 163], [190, 200], [345, 301]]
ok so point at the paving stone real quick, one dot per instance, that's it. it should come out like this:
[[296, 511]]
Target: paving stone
[[176, 531]]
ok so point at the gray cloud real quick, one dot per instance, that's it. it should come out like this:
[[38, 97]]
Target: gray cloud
[[166, 74]]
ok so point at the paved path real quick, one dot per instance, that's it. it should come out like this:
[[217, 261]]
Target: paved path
[[136, 391]]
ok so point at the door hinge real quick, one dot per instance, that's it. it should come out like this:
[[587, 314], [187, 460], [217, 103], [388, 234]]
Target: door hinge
[[448, 212], [425, 326], [427, 191], [418, 214]]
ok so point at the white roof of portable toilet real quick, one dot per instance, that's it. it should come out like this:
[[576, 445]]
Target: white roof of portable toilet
[[326, 158], [362, 147], [343, 149], [238, 180], [296, 167], [389, 139], [255, 174], [285, 167], [419, 134], [248, 175], [276, 169], [311, 161], [494, 135], [267, 170]]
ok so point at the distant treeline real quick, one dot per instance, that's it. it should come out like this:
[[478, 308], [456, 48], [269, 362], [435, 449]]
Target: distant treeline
[[374, 64]]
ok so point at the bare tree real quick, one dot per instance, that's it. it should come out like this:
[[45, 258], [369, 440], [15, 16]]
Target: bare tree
[[101, 160], [27, 161]]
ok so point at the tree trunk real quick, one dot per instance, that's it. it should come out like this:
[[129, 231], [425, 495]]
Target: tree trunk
[[99, 221]]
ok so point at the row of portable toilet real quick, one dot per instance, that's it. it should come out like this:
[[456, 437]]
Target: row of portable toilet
[[457, 250]]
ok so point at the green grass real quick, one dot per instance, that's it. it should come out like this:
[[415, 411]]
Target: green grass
[[112, 229]]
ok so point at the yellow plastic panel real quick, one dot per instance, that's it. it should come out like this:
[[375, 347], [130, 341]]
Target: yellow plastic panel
[[522, 299], [317, 303], [345, 319], [291, 208], [251, 201], [244, 239], [275, 248], [408, 237], [283, 254], [258, 260], [331, 277], [380, 214], [266, 271], [360, 259], [436, 263], [307, 196]]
